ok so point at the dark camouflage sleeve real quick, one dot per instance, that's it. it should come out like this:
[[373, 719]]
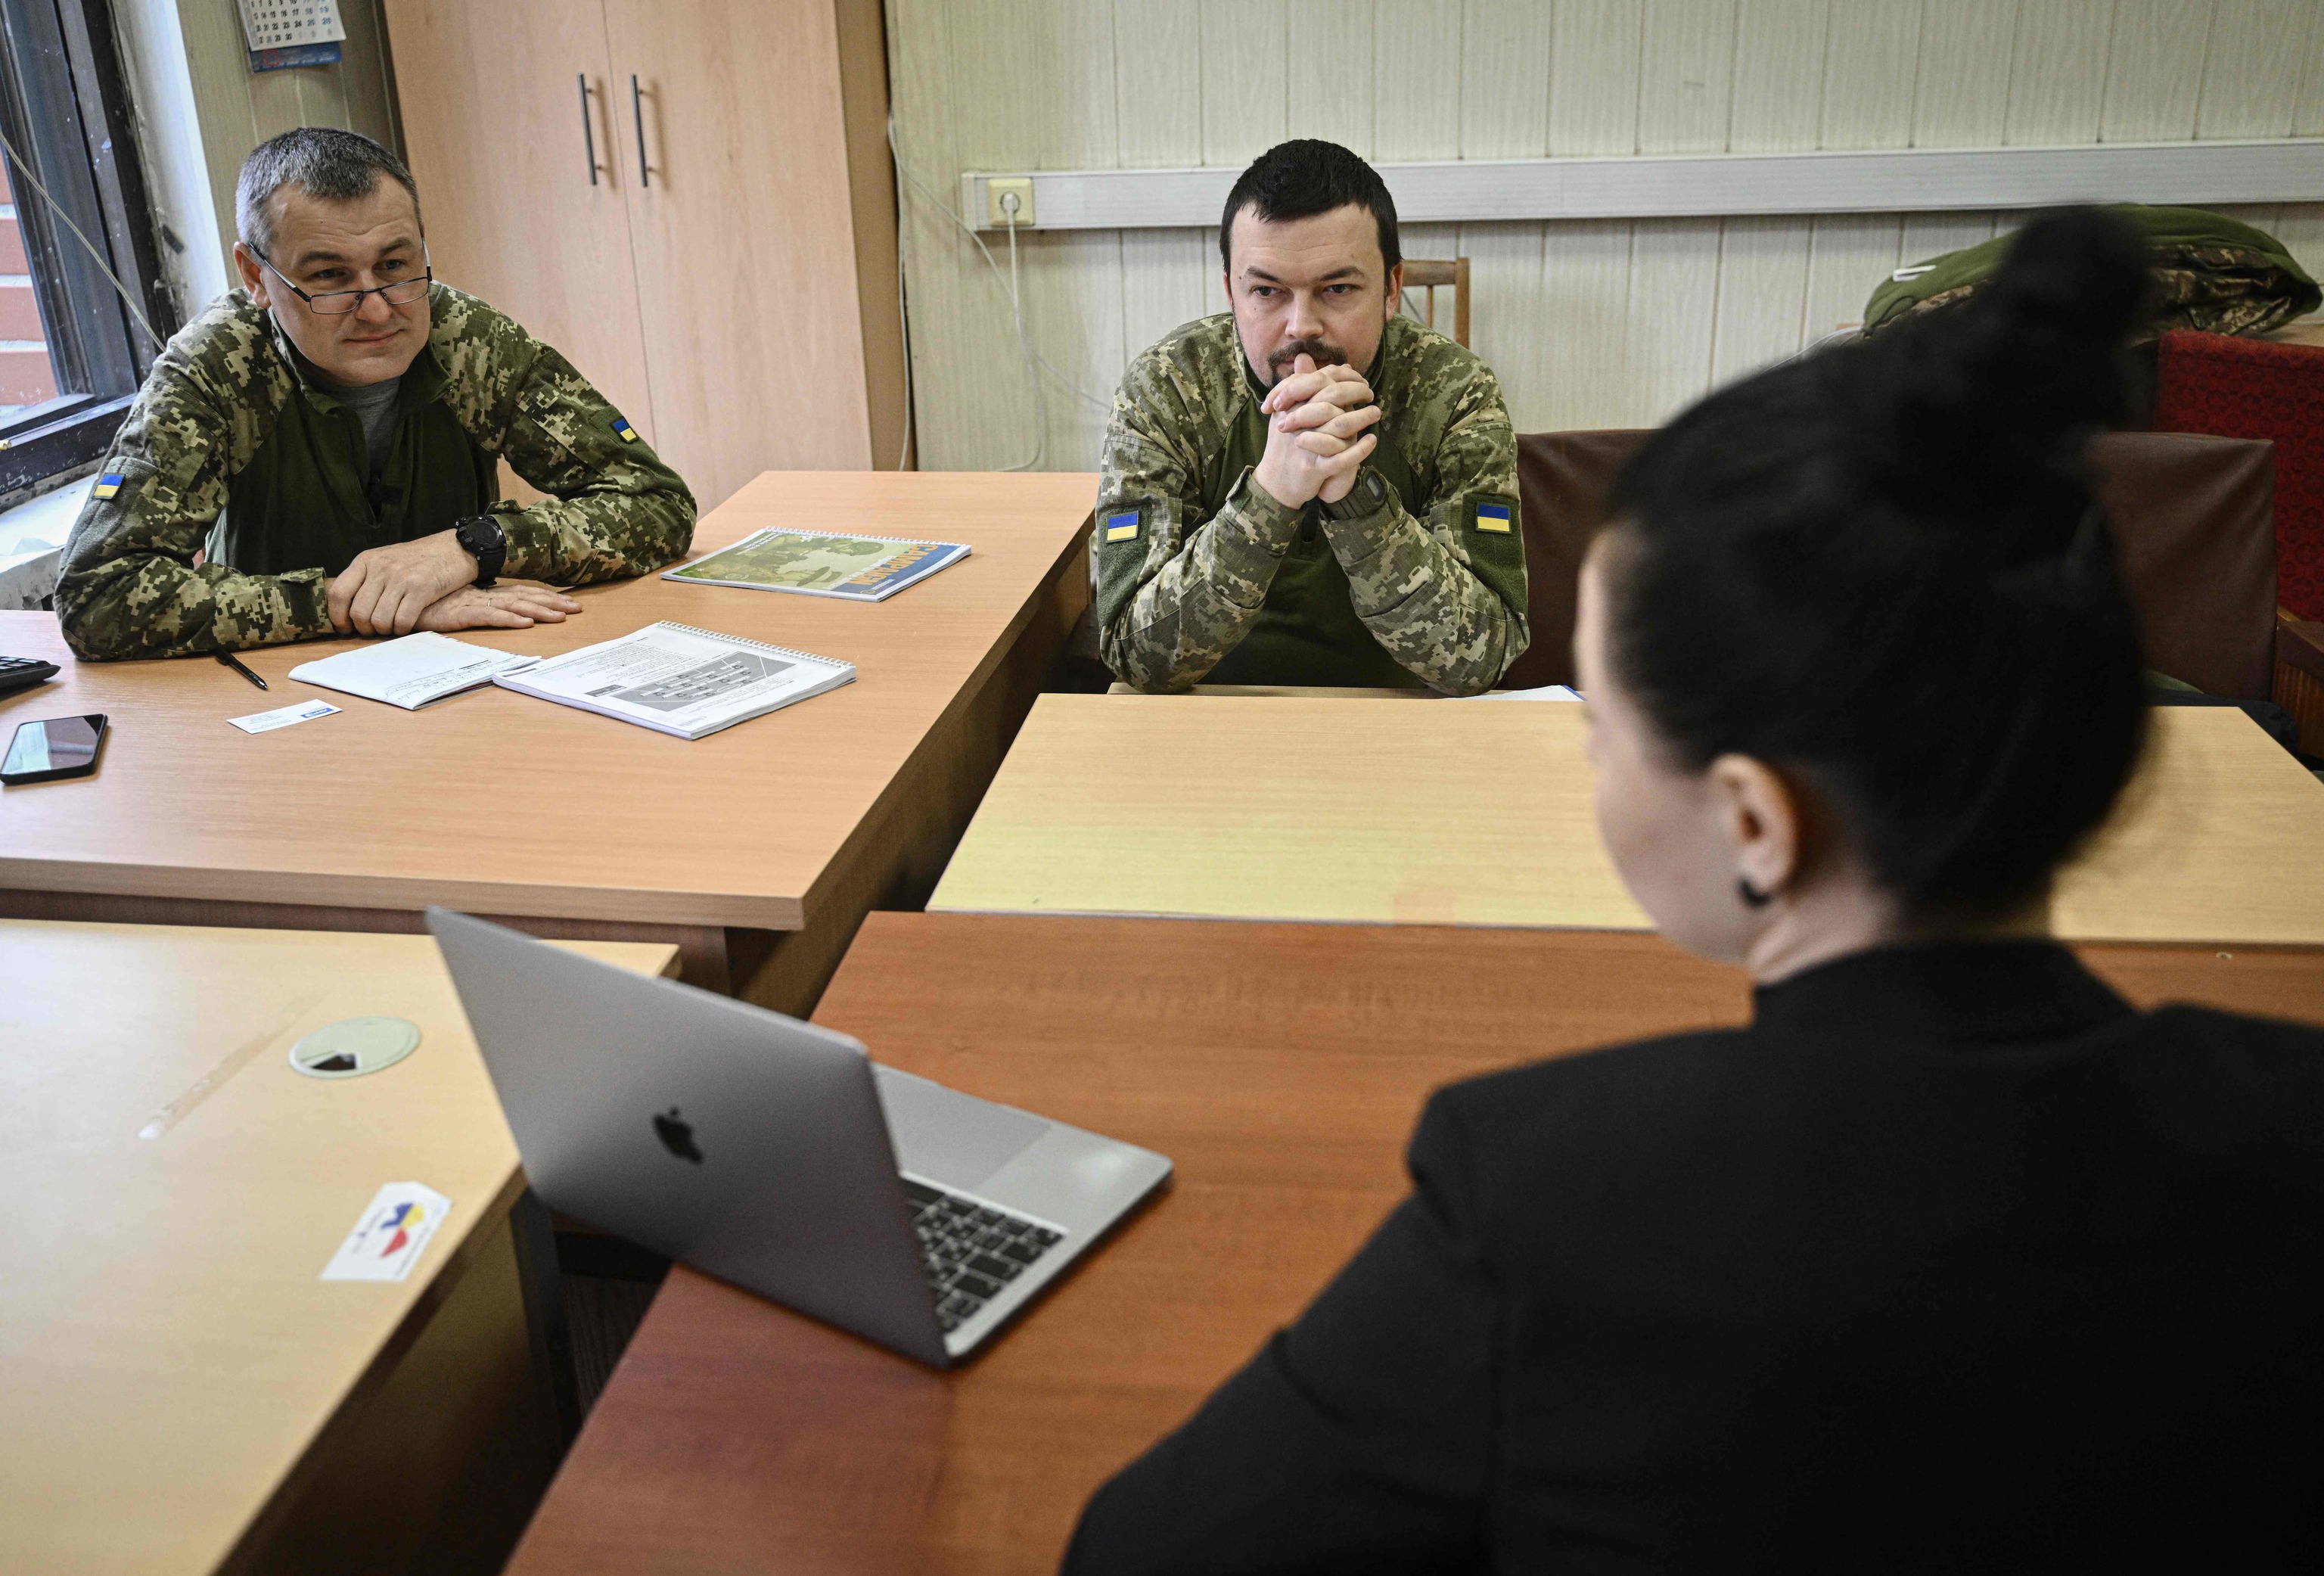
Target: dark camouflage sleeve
[[1178, 595], [617, 509], [1443, 597], [127, 585]]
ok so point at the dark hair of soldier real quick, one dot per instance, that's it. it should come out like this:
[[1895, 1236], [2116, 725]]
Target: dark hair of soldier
[[325, 161], [1879, 568], [1303, 178]]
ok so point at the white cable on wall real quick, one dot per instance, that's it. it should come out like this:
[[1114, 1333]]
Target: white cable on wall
[[1035, 361]]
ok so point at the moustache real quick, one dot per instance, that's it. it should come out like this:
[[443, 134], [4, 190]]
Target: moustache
[[1324, 351]]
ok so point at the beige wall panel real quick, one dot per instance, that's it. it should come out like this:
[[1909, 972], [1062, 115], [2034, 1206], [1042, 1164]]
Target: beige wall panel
[[1779, 62], [1245, 63], [1333, 92], [1868, 71], [2057, 70], [1686, 73], [2251, 77], [1674, 301], [1071, 288], [952, 377], [1163, 274], [2308, 118], [1593, 78], [1847, 255], [1417, 64], [1507, 325], [1157, 77], [1585, 309], [1504, 72], [1959, 91], [1763, 286], [2155, 71]]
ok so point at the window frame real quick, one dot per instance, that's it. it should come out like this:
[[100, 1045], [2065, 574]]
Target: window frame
[[64, 103]]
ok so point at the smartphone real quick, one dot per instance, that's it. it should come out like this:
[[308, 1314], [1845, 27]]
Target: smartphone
[[52, 748]]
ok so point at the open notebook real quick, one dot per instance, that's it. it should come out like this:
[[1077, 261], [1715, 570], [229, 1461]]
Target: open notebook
[[678, 679]]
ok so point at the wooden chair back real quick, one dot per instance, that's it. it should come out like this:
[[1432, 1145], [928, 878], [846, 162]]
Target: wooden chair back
[[2194, 520], [1430, 273]]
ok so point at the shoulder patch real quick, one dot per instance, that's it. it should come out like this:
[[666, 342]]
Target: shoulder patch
[[108, 482], [622, 427], [1122, 525], [1492, 517]]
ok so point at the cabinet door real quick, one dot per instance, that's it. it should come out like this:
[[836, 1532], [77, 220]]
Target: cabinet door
[[493, 124], [743, 235]]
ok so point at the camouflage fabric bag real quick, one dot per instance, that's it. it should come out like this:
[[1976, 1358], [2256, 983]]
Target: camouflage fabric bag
[[2212, 273]]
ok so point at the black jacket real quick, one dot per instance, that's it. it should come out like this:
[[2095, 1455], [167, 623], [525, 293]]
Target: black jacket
[[1950, 1261]]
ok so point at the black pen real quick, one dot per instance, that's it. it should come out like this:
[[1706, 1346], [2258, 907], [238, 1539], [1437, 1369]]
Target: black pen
[[229, 659]]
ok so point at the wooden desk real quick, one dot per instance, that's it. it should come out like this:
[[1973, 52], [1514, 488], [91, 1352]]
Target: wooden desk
[[1281, 1066], [1464, 814], [571, 824], [182, 1393]]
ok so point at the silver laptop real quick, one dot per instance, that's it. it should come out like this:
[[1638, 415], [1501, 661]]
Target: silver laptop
[[773, 1153]]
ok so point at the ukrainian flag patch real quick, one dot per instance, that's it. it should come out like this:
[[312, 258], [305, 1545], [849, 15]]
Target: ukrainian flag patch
[[107, 485], [1121, 527], [1494, 517], [629, 434]]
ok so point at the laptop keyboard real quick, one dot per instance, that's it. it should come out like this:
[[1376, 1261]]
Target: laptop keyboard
[[971, 1250]]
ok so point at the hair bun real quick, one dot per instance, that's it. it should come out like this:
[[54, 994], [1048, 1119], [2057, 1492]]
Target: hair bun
[[1974, 417], [2081, 272]]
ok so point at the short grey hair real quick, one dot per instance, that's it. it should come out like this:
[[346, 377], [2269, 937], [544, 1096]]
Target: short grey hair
[[324, 161]]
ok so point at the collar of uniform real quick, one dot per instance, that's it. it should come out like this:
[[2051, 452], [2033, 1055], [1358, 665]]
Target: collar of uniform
[[1978, 991], [423, 381]]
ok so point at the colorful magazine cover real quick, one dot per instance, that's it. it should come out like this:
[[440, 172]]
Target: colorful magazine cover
[[861, 568]]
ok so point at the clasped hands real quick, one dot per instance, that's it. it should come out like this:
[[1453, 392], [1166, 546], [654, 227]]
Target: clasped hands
[[1316, 437], [430, 584]]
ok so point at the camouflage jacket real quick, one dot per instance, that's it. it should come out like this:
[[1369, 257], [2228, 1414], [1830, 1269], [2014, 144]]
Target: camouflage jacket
[[1193, 557], [229, 420]]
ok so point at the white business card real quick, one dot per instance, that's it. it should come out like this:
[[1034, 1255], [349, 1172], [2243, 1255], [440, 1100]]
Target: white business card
[[306, 711], [390, 1235]]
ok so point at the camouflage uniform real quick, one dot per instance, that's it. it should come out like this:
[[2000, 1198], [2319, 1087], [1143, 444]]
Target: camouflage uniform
[[230, 423], [1201, 573]]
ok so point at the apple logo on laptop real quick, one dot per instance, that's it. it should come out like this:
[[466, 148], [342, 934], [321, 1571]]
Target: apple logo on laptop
[[676, 1136]]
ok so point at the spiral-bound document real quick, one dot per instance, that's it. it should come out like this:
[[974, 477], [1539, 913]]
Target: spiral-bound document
[[678, 679]]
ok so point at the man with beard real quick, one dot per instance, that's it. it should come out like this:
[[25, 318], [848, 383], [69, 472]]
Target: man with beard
[[1268, 513]]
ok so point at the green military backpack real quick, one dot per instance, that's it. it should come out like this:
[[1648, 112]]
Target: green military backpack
[[2211, 273]]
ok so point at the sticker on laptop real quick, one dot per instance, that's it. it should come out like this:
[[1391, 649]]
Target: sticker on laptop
[[390, 1235]]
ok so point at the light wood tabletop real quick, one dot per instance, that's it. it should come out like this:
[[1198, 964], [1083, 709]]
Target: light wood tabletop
[[177, 1374], [503, 805], [1462, 814], [1280, 1066]]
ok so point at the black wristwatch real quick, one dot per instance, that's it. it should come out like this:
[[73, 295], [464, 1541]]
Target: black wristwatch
[[1369, 494], [482, 535]]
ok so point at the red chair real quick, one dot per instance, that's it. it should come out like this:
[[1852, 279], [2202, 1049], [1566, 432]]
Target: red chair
[[2266, 388]]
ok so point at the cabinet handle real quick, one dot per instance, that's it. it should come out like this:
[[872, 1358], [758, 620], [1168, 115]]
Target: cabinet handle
[[636, 113], [588, 133]]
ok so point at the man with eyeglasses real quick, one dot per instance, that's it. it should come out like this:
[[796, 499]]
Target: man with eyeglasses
[[318, 453]]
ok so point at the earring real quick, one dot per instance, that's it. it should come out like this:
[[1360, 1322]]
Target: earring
[[1752, 898]]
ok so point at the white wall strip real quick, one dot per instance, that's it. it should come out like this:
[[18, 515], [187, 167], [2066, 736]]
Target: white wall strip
[[1911, 180]]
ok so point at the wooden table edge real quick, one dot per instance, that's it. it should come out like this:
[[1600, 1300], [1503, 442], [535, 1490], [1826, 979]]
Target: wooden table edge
[[405, 894]]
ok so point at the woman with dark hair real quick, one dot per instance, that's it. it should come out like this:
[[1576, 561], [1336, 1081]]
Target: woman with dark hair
[[1951, 1259]]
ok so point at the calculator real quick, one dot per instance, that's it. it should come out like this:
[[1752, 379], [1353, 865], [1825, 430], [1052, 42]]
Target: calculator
[[16, 672]]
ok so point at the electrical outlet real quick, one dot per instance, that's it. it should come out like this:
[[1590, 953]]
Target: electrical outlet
[[997, 216]]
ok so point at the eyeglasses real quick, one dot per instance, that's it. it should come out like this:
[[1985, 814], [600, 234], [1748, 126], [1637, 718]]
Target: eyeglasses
[[339, 302]]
